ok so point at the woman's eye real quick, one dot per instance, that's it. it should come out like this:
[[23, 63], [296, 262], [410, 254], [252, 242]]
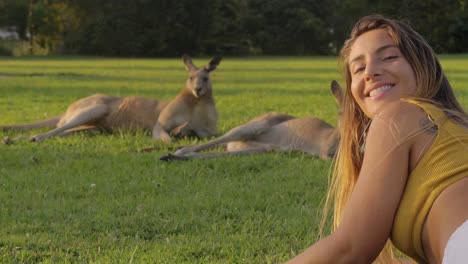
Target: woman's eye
[[390, 57], [358, 70]]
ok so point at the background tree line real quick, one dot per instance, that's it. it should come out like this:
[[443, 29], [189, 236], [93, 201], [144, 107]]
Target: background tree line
[[168, 28]]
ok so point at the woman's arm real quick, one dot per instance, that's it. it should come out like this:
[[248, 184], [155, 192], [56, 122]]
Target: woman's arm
[[368, 216]]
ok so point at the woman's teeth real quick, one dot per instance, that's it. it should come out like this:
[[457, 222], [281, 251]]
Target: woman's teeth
[[379, 90]]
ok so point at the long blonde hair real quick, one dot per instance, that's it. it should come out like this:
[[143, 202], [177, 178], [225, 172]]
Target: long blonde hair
[[432, 86]]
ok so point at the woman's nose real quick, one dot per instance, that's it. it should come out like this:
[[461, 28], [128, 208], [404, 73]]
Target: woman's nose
[[372, 70]]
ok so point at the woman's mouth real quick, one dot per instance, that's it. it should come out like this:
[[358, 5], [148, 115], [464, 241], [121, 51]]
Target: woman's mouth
[[379, 92]]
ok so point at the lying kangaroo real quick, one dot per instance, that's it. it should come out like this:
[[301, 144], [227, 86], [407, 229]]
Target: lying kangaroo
[[191, 112], [273, 132]]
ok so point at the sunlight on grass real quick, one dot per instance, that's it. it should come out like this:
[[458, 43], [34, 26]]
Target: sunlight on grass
[[94, 199]]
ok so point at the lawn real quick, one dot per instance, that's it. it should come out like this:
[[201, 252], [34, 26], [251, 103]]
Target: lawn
[[94, 199]]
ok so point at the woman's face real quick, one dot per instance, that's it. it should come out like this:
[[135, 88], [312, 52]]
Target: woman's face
[[379, 71]]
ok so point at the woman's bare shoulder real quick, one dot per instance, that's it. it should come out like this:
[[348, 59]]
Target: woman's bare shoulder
[[401, 120], [400, 111]]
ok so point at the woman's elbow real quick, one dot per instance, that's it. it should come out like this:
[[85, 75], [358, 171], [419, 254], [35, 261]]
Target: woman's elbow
[[352, 252]]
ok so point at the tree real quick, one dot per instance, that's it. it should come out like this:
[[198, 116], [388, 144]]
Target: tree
[[15, 13], [289, 26], [170, 28]]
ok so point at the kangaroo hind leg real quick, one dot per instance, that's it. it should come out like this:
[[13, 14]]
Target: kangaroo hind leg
[[246, 132], [80, 117], [247, 149]]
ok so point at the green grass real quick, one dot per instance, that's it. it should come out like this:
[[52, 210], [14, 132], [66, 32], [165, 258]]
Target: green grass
[[92, 199]]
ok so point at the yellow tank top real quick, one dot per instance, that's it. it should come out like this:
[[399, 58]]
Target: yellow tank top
[[444, 163]]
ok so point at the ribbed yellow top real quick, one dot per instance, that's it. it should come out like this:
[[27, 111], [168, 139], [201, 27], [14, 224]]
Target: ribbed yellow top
[[445, 162]]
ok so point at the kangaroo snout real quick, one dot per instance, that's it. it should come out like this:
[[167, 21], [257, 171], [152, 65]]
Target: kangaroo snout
[[198, 91]]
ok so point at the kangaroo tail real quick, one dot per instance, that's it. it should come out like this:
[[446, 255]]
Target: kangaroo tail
[[49, 123]]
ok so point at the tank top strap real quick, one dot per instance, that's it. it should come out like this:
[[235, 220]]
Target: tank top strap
[[436, 114]]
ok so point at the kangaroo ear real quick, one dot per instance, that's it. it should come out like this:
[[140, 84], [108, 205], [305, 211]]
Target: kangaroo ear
[[213, 63], [188, 63], [337, 91]]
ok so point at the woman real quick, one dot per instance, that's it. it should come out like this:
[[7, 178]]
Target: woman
[[401, 175]]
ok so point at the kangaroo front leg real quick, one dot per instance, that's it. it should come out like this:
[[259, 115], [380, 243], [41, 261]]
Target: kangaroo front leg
[[82, 117], [160, 133], [204, 133], [184, 130]]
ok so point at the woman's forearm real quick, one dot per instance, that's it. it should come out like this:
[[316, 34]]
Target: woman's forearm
[[327, 250]]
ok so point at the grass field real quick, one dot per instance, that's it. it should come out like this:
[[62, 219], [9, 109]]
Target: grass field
[[93, 199]]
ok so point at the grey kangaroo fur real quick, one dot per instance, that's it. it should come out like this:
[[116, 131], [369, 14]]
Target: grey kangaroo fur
[[191, 112], [273, 132]]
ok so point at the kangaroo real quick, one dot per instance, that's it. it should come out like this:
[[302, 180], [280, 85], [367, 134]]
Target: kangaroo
[[191, 113], [273, 132]]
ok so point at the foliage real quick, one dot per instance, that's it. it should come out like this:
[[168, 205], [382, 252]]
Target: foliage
[[237, 27], [293, 26], [15, 13], [4, 51]]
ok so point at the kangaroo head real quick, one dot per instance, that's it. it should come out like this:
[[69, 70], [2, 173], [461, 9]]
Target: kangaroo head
[[198, 82], [331, 145], [337, 92]]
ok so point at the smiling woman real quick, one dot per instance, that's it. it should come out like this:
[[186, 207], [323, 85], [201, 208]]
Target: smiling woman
[[401, 173], [376, 55]]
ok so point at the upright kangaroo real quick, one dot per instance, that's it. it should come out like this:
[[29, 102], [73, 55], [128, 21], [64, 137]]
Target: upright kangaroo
[[192, 111], [273, 132]]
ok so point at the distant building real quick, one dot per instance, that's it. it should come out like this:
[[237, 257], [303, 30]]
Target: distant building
[[9, 33]]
